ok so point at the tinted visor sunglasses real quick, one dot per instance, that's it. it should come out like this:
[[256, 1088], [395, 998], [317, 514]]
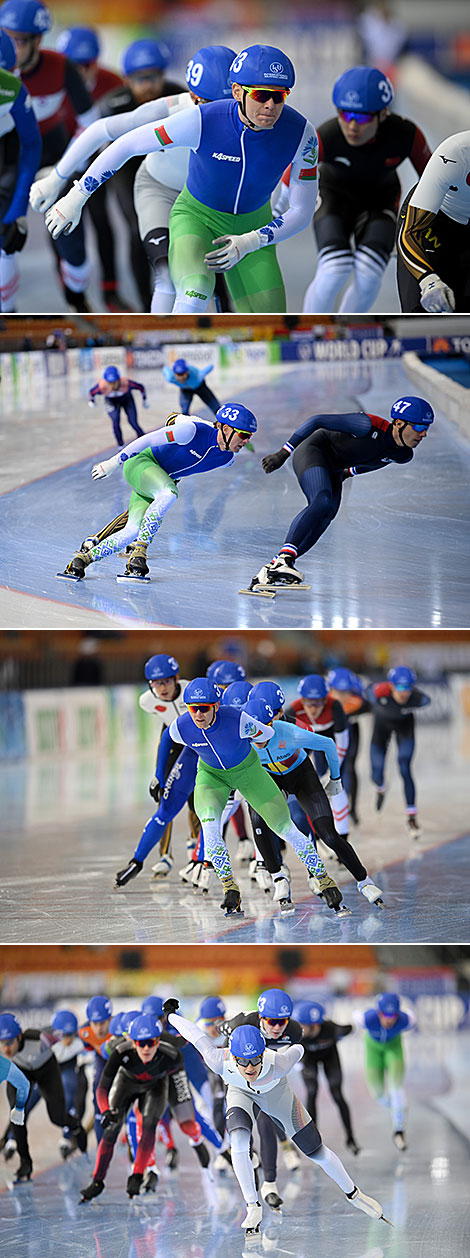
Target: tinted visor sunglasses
[[249, 1061], [262, 94], [276, 1021], [148, 1043], [349, 115], [200, 707]]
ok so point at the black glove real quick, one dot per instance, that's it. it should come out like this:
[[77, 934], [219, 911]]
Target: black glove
[[273, 461], [171, 1005], [13, 235], [155, 790], [108, 1117]]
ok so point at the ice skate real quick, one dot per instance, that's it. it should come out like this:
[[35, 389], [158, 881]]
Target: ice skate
[[292, 1158], [223, 1162], [202, 1154], [352, 1146], [368, 1204], [124, 876], [150, 1180], [9, 1149], [353, 816], [380, 800], [80, 1137], [231, 902], [278, 575], [24, 1171], [205, 878], [270, 1195], [253, 864], [172, 1159], [134, 1184], [196, 875], [65, 1147], [163, 867], [244, 851], [89, 542], [75, 570], [137, 570], [413, 827], [372, 893], [326, 888], [92, 1190], [282, 895], [186, 873], [263, 877], [400, 1141], [252, 1220]]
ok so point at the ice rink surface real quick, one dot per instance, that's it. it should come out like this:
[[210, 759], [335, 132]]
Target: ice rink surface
[[424, 1192], [396, 556], [67, 827]]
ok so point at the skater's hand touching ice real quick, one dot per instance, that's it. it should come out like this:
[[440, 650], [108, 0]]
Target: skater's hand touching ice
[[230, 250], [45, 191], [436, 296], [171, 1005], [106, 468], [272, 461], [65, 215]]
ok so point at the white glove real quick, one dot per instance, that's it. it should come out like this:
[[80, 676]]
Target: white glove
[[280, 201], [91, 401], [45, 191], [145, 404], [230, 250], [436, 296], [334, 786], [17, 1116], [106, 468], [65, 215]]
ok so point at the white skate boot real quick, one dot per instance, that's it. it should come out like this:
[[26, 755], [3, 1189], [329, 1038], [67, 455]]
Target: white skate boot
[[282, 894], [252, 1220], [205, 877], [367, 1204], [163, 867], [413, 827], [186, 873], [263, 877], [270, 1195], [400, 1141], [292, 1158], [372, 893]]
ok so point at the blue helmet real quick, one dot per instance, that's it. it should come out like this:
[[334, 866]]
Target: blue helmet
[[271, 693], [9, 1026], [79, 43], [210, 670], [259, 710], [145, 54], [160, 667], [98, 1009], [144, 1027], [312, 687], [207, 72], [25, 16], [180, 366], [389, 1004], [7, 52], [262, 66], [65, 1021], [402, 678], [413, 410], [309, 1012], [226, 672], [153, 1005], [212, 1007], [274, 1003], [128, 1018], [236, 415], [344, 679], [115, 1025], [202, 690], [111, 374], [363, 90], [246, 1041], [236, 695]]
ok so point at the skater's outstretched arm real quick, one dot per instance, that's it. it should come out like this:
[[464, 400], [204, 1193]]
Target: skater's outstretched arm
[[181, 433], [357, 425], [12, 1074], [213, 1056]]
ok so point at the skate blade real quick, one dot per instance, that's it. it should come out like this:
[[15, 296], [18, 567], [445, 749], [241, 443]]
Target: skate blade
[[261, 592], [270, 591], [124, 579], [344, 911], [286, 912], [68, 576], [384, 1220], [234, 913]]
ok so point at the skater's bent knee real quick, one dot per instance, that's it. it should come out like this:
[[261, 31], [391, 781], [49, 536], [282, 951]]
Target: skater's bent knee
[[308, 1139]]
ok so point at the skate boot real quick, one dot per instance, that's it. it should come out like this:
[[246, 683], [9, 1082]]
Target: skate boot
[[353, 816], [75, 570], [282, 895], [231, 902], [150, 1180], [252, 1220], [292, 1157], [367, 1204], [380, 799], [253, 866], [136, 567], [65, 1148], [186, 874], [89, 542], [352, 1146], [326, 888], [9, 1149], [244, 851], [196, 875], [172, 1158], [76, 302], [125, 875], [163, 867], [279, 572], [263, 877], [413, 827], [202, 1154], [372, 893], [205, 878], [134, 1184], [223, 1162], [92, 1190], [270, 1195], [24, 1171], [400, 1141]]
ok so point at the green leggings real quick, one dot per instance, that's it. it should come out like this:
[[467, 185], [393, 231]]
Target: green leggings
[[255, 284], [153, 492], [384, 1063]]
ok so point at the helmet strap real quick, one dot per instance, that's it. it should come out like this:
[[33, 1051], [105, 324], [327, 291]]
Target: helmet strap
[[402, 423], [243, 110], [227, 443]]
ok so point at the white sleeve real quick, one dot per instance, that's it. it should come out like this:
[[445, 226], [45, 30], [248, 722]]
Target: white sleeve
[[175, 734], [182, 130], [303, 189], [358, 1019], [111, 128], [213, 1056], [342, 744], [181, 433], [286, 1059], [254, 730], [445, 162]]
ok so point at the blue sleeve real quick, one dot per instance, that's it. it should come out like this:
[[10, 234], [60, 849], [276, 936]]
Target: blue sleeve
[[19, 1081], [29, 155], [357, 425], [318, 742], [167, 372], [164, 749], [207, 370], [134, 384]]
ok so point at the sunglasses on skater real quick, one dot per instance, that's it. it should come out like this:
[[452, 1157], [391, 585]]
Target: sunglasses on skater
[[148, 1043], [262, 94], [200, 707], [276, 1021], [249, 1061], [349, 115]]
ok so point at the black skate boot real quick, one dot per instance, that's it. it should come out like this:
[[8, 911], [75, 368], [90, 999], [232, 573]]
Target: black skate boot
[[379, 801], [75, 570], [92, 1190], [134, 1184], [172, 1159], [125, 875], [136, 567], [231, 902], [351, 1144], [80, 1137], [353, 815], [150, 1180], [24, 1171], [202, 1154], [326, 888], [76, 301]]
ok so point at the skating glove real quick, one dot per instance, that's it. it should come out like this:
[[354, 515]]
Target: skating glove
[[230, 250], [17, 1116], [106, 468], [273, 461], [45, 190], [334, 786], [65, 215], [13, 235], [146, 404], [171, 1005], [108, 1117], [155, 790], [91, 401], [436, 296]]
